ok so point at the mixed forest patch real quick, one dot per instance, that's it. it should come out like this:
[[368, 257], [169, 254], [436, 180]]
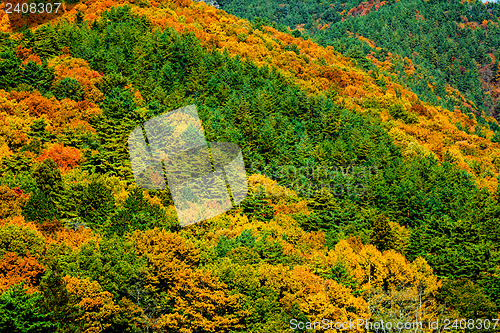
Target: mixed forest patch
[[83, 249]]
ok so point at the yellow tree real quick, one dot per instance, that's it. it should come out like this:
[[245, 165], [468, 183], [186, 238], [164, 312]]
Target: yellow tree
[[396, 289], [96, 308], [189, 299]]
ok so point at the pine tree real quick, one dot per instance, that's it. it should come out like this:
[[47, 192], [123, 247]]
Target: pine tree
[[21, 312], [48, 178], [381, 233], [98, 204], [46, 43]]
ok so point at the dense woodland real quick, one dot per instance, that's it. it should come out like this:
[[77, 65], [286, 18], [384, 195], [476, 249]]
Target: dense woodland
[[83, 249], [440, 49]]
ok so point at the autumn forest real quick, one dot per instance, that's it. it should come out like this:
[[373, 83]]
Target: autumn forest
[[370, 136]]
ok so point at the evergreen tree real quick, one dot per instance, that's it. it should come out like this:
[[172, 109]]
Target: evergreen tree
[[21, 312], [382, 236], [98, 204]]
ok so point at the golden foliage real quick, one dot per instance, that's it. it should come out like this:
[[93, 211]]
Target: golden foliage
[[97, 305], [262, 184], [14, 269], [78, 69], [199, 299], [11, 201], [393, 286], [21, 237], [315, 68], [74, 239], [167, 254], [200, 302]]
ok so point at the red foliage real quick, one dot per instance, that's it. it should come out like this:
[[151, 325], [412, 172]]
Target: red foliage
[[18, 191], [365, 7], [65, 157]]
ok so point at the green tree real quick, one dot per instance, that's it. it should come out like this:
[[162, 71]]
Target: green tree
[[48, 178], [21, 312], [57, 300], [138, 214], [68, 88], [40, 208], [43, 204], [467, 298], [98, 204], [10, 71], [382, 236]]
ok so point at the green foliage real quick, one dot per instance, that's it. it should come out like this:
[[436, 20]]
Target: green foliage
[[336, 218], [44, 202], [111, 262], [40, 208], [467, 298], [22, 180], [34, 145], [490, 282], [263, 249], [9, 69], [256, 206], [46, 42], [98, 204], [271, 251], [48, 177], [381, 234], [454, 248], [57, 300], [20, 312], [453, 223], [39, 131], [399, 112], [261, 301], [226, 245], [356, 53], [340, 274], [68, 88], [20, 240], [442, 52], [111, 81], [496, 137], [38, 76], [138, 214]]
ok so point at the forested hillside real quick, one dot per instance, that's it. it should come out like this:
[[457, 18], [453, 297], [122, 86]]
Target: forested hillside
[[366, 200], [446, 51]]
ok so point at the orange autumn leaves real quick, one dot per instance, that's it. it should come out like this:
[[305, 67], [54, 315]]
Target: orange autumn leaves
[[318, 69], [67, 67], [15, 21], [23, 245], [15, 269], [66, 158], [307, 282], [314, 68], [195, 290], [198, 298], [19, 109], [97, 305]]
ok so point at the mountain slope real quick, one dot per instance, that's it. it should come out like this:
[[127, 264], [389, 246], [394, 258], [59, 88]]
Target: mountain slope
[[449, 135], [421, 231]]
